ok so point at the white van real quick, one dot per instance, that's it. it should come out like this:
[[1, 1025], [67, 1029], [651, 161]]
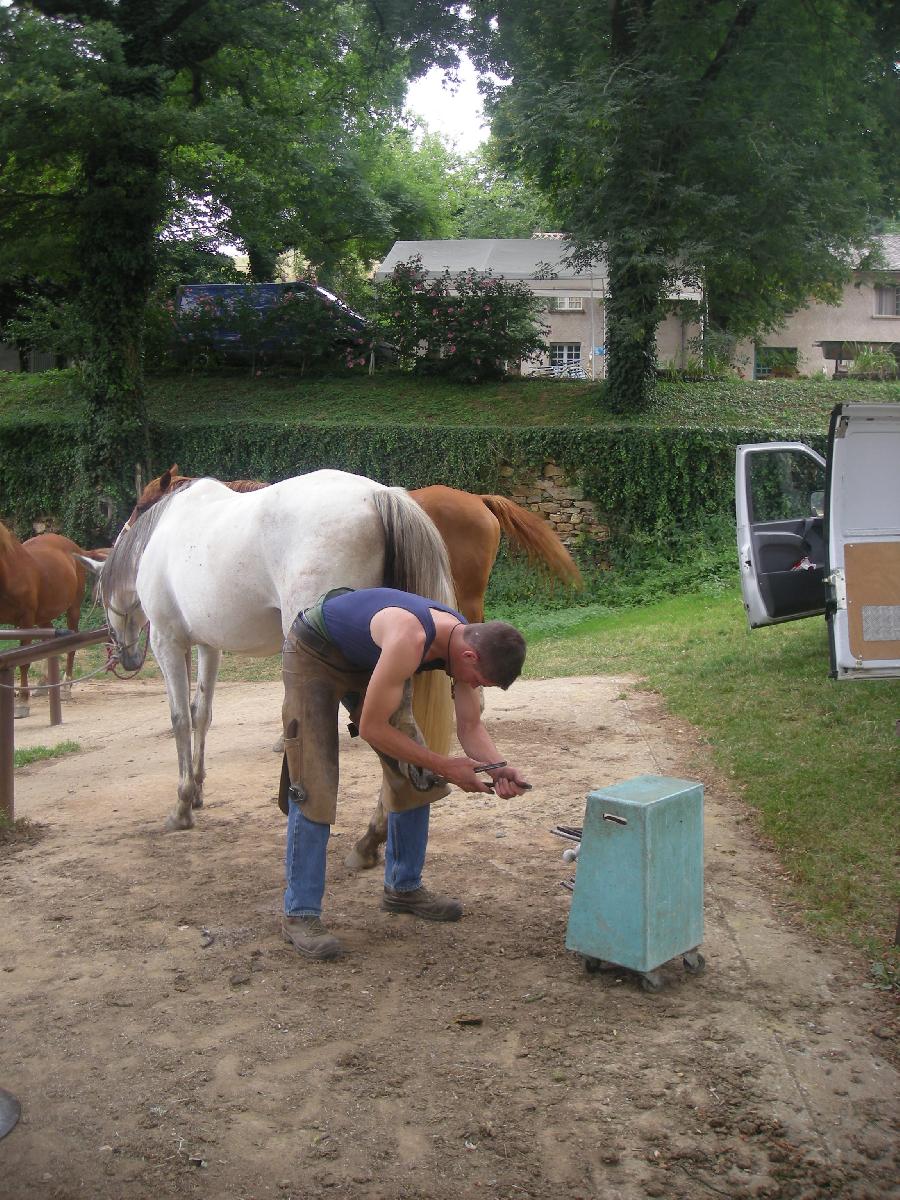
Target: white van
[[821, 535]]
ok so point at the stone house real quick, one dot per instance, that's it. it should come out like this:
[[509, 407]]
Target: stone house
[[825, 338], [816, 339]]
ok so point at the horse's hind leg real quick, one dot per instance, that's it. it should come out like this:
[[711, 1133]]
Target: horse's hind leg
[[73, 616], [208, 661], [170, 658], [365, 853]]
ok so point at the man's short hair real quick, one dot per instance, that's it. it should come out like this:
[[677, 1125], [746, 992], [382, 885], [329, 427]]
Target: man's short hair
[[501, 649]]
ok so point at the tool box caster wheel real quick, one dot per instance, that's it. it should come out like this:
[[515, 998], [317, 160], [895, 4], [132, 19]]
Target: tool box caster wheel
[[652, 982], [592, 965], [694, 963]]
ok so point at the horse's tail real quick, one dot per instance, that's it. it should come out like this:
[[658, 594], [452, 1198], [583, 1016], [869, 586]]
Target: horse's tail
[[415, 557], [535, 536], [415, 560]]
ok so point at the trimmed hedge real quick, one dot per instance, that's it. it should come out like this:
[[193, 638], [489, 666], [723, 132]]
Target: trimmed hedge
[[643, 475]]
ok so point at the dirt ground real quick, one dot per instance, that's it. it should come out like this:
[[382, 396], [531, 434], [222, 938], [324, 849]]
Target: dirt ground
[[163, 1040]]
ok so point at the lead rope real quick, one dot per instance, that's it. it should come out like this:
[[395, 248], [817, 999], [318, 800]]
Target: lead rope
[[112, 661]]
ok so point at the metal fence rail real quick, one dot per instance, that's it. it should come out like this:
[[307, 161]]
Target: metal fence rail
[[52, 645]]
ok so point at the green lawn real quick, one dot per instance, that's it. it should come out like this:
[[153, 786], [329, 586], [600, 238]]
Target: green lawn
[[816, 758], [391, 398]]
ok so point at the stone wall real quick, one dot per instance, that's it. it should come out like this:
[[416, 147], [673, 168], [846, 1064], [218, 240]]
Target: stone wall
[[557, 499]]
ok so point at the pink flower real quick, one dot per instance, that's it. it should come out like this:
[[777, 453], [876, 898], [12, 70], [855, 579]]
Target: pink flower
[[451, 349]]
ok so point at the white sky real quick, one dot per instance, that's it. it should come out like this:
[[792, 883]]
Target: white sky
[[456, 114]]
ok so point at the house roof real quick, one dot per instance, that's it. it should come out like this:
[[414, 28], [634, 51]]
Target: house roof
[[528, 258], [514, 258], [890, 248]]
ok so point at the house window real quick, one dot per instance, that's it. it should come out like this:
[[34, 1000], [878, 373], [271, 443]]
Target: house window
[[565, 354], [887, 301], [775, 362], [566, 304]]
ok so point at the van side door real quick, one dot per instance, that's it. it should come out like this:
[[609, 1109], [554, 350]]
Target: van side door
[[779, 501]]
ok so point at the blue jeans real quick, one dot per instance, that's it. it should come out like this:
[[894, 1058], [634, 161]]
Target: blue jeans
[[307, 845]]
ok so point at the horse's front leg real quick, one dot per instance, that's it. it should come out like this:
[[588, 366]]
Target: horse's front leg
[[170, 657], [22, 705], [208, 661]]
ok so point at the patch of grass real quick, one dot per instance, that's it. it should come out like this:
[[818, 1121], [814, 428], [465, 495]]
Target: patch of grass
[[238, 668], [638, 569], [22, 758], [815, 757]]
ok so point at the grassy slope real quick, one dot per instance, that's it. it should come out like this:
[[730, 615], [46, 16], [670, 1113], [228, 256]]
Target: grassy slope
[[400, 399]]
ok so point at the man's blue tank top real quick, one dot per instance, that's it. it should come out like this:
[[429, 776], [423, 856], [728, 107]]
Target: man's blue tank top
[[347, 618]]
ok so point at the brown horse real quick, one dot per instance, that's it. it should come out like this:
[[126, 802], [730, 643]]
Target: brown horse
[[39, 581], [470, 525]]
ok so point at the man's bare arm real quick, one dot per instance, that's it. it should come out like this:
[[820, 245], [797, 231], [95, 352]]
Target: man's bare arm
[[477, 742], [402, 642]]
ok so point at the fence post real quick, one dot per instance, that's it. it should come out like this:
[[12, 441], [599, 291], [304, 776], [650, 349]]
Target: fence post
[[53, 691], [7, 741]]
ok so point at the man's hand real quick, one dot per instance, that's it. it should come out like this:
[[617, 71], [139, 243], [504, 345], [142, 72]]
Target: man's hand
[[509, 782], [461, 772]]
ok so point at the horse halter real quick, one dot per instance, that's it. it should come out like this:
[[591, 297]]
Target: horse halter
[[124, 617]]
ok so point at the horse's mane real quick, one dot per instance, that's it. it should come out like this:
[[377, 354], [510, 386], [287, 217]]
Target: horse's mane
[[233, 485], [121, 566], [246, 485]]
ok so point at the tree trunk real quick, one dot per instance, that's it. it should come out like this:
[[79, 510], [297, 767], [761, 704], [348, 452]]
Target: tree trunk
[[123, 207], [262, 263], [637, 276], [632, 317]]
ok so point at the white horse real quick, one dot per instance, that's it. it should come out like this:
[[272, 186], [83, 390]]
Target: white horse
[[224, 570]]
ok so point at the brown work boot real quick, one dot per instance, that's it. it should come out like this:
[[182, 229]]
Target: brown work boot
[[310, 937], [422, 903]]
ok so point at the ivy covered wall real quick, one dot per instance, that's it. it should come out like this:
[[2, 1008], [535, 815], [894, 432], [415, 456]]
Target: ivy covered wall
[[635, 477]]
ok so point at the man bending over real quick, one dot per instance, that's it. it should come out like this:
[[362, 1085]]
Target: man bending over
[[362, 648]]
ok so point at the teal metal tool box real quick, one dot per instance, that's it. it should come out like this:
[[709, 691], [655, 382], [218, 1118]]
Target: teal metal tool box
[[637, 900]]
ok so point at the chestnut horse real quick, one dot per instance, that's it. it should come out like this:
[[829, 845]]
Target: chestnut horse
[[470, 525], [39, 581]]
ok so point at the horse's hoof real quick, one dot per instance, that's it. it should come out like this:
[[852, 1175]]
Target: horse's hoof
[[358, 862], [197, 802], [175, 822], [278, 748], [22, 710]]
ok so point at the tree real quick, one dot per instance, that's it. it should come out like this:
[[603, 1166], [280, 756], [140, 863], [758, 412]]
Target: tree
[[740, 143], [117, 116], [489, 200]]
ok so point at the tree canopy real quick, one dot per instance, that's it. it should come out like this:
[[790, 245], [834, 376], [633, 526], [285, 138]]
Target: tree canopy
[[123, 121], [744, 143]]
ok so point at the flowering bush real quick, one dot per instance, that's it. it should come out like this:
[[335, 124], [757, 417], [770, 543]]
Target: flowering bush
[[468, 326]]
